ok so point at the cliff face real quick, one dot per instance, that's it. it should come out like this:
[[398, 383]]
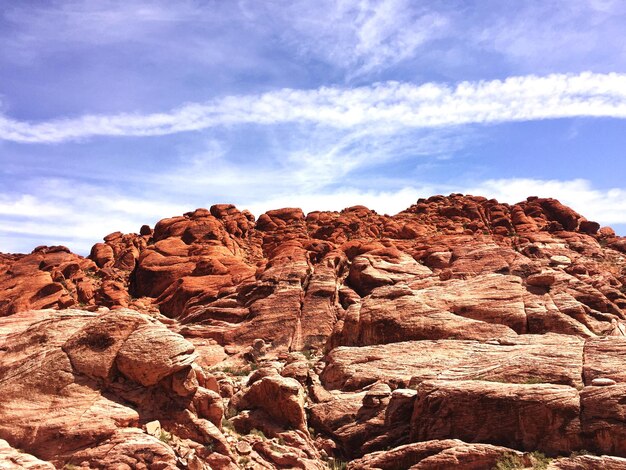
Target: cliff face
[[459, 332]]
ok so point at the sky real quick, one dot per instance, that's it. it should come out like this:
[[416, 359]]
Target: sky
[[115, 114]]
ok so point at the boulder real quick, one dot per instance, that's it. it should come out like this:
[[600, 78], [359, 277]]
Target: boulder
[[542, 417], [281, 398]]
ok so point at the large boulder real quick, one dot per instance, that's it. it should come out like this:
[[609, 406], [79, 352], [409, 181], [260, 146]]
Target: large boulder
[[280, 398], [529, 417]]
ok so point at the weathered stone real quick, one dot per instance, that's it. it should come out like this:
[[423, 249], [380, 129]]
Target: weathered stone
[[541, 417], [282, 398], [530, 358], [13, 458]]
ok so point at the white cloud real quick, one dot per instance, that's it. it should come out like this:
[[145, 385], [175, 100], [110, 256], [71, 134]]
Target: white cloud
[[393, 105], [77, 218], [98, 21], [304, 159], [28, 206], [362, 36], [552, 35]]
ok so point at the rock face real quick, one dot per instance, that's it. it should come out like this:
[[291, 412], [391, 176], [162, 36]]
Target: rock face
[[66, 385], [460, 333], [550, 358], [544, 417], [280, 399], [12, 458]]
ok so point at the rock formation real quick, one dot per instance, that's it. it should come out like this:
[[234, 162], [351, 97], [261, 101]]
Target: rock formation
[[460, 333]]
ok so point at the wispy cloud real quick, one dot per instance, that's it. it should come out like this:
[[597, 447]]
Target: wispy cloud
[[551, 35], [78, 218], [363, 36], [392, 104]]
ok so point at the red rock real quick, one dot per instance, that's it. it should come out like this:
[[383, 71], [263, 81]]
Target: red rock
[[589, 227], [528, 417], [486, 307], [437, 454], [73, 381], [128, 448], [383, 267], [165, 352], [603, 415], [604, 359], [13, 458], [548, 358], [475, 299], [541, 279], [589, 462], [281, 398], [102, 254]]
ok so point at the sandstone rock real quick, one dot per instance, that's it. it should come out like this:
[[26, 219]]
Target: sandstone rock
[[93, 349], [437, 454], [528, 417], [541, 279], [13, 458], [153, 428], [603, 414], [297, 370], [602, 382], [589, 462], [530, 358], [337, 411], [68, 399], [128, 448], [375, 395], [102, 254], [493, 312], [243, 448], [604, 359], [281, 398], [209, 406], [165, 353], [383, 267], [560, 260], [484, 307]]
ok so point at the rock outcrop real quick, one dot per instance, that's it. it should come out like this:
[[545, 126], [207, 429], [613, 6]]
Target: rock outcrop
[[73, 379], [460, 333]]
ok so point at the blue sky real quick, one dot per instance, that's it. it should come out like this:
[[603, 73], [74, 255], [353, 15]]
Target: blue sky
[[118, 113]]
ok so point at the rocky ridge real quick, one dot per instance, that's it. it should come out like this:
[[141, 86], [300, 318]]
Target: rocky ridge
[[460, 332]]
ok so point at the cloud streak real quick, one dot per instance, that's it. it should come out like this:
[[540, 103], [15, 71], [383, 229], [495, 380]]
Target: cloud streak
[[389, 105], [361, 37]]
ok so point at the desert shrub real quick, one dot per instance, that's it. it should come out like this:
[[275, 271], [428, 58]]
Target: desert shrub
[[540, 461], [257, 432], [233, 371], [534, 380], [227, 424], [578, 453], [509, 462], [165, 437], [514, 462], [337, 464]]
